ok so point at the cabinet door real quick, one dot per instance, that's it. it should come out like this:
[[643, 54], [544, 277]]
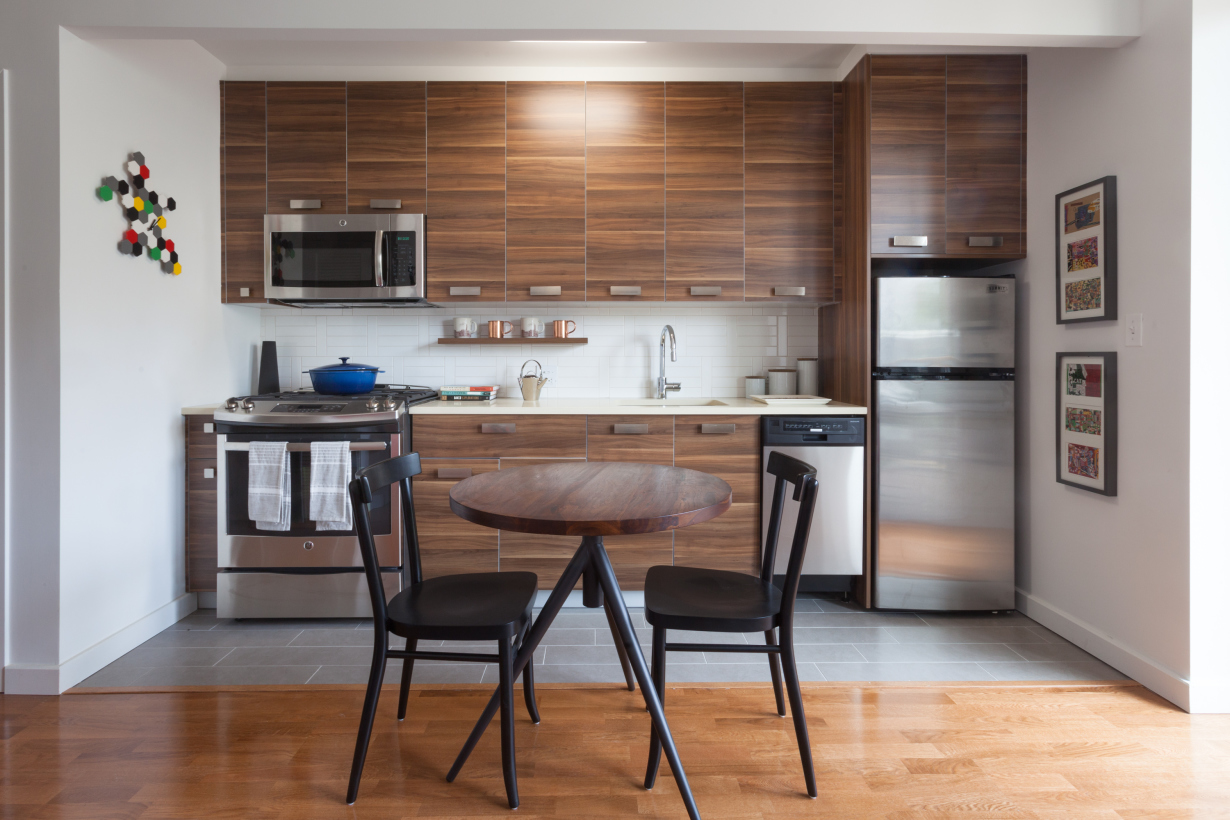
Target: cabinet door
[[307, 146], [449, 544], [546, 191], [907, 154], [624, 190], [465, 192], [729, 448], [544, 555], [386, 146], [986, 155], [492, 436], [704, 192], [637, 439], [201, 498], [788, 179], [243, 191]]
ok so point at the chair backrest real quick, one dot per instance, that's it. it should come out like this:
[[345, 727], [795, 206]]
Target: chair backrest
[[802, 477], [365, 483]]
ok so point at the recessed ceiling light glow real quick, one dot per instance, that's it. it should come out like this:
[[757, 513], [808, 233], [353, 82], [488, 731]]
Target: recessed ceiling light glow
[[587, 42]]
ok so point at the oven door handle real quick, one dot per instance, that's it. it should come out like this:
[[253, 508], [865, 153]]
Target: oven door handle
[[306, 447], [379, 259]]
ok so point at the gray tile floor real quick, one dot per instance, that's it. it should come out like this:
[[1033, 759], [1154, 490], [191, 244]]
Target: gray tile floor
[[835, 641]]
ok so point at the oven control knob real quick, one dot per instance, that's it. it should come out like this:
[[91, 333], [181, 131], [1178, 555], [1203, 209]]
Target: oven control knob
[[232, 404], [248, 404], [307, 545], [373, 404], [386, 403]]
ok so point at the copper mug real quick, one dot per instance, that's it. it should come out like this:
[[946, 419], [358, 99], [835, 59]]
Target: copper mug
[[562, 331], [495, 328]]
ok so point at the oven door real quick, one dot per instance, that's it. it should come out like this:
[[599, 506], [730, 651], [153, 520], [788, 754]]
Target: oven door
[[345, 256], [242, 546]]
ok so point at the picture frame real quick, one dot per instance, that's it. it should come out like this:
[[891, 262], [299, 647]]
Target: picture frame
[[1087, 421], [1086, 253]]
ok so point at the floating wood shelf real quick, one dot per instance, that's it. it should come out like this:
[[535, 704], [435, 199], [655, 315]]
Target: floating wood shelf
[[514, 340]]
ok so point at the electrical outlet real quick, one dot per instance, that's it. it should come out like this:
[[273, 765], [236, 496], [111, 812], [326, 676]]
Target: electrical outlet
[[1135, 330], [552, 373]]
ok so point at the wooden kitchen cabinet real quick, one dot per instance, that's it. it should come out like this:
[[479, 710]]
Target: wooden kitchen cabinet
[[466, 192], [306, 133], [624, 191], [386, 146], [243, 190], [729, 448], [546, 191], [704, 191], [788, 191], [200, 504], [494, 436], [448, 544]]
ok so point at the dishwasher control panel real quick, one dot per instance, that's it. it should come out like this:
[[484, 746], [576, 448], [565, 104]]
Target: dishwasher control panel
[[848, 430]]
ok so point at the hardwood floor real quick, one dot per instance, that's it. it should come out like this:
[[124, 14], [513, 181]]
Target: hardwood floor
[[1110, 752]]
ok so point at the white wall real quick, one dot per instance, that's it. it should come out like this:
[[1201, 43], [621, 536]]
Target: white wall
[[1111, 574], [136, 344]]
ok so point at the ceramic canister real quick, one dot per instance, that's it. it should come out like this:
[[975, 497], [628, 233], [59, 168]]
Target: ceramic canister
[[809, 376], [782, 381], [754, 386]]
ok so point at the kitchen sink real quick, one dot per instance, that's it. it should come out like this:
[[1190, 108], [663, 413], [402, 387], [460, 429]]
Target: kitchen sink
[[673, 403]]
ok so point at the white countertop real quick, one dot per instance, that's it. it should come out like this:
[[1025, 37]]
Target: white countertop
[[631, 407]]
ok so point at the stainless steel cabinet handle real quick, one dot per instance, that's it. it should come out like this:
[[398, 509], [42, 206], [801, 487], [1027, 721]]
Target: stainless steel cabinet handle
[[986, 242], [625, 290], [706, 291], [454, 472], [630, 429], [304, 204], [306, 447], [465, 291], [499, 428], [208, 427], [789, 291], [209, 472], [908, 241], [546, 290], [716, 429], [384, 203]]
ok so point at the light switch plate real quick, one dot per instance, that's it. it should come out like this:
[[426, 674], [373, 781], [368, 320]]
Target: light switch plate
[[1135, 330]]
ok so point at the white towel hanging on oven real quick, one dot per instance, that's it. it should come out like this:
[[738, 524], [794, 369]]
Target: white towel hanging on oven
[[330, 501], [269, 485]]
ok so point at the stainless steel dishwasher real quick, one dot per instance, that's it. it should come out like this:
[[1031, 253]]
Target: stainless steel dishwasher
[[834, 445]]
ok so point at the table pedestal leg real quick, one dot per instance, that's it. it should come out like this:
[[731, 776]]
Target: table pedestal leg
[[591, 558]]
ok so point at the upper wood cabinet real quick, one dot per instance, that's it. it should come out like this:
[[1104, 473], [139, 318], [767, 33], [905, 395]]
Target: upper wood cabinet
[[546, 191], [465, 192], [704, 191], [386, 147], [788, 191], [243, 191], [306, 131], [624, 192], [947, 155]]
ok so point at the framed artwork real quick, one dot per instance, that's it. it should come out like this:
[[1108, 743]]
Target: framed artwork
[[1087, 421], [1086, 239]]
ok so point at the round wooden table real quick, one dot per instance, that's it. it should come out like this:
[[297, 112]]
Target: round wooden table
[[591, 499]]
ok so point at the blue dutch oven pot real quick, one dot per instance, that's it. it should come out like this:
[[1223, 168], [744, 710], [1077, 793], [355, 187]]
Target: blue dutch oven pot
[[343, 379]]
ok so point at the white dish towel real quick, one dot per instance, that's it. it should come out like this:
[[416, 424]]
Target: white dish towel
[[330, 504], [269, 485]]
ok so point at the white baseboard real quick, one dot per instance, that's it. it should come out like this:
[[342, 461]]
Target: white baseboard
[[51, 679], [632, 597], [1141, 668]]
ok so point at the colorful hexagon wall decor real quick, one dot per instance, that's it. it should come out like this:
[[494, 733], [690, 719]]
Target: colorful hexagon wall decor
[[143, 209]]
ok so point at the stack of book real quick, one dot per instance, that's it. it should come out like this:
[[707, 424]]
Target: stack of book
[[471, 393]]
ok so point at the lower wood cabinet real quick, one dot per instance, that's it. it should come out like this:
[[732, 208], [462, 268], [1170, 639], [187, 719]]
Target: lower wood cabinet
[[200, 504], [449, 544]]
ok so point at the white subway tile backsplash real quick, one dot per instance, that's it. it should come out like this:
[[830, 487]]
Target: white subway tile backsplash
[[718, 345]]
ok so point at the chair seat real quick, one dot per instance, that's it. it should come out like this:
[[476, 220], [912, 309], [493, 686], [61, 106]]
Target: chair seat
[[480, 606], [710, 600]]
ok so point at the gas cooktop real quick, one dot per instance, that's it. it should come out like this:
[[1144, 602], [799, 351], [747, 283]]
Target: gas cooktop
[[385, 403]]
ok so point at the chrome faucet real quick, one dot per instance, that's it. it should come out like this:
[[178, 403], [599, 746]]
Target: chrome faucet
[[664, 386]]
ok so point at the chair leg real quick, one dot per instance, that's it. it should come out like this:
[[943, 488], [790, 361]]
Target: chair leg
[[658, 672], [508, 750], [368, 717], [796, 710], [775, 669], [407, 669], [527, 680], [619, 648]]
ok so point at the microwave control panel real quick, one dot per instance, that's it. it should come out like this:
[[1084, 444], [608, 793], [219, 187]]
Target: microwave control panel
[[399, 259]]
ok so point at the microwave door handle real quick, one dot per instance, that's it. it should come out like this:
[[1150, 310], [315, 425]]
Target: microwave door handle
[[379, 259]]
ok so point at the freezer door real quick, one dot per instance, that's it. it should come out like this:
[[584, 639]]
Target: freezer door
[[944, 520], [835, 543], [945, 322]]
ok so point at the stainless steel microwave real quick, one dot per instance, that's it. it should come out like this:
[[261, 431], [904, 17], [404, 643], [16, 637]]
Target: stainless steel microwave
[[323, 257]]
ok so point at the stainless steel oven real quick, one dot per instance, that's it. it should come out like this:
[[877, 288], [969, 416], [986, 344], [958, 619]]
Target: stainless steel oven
[[354, 257]]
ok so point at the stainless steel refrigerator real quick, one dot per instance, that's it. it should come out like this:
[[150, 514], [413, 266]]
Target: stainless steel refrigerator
[[944, 486]]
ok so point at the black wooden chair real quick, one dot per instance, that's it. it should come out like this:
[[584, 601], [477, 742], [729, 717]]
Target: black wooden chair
[[712, 600], [481, 606]]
